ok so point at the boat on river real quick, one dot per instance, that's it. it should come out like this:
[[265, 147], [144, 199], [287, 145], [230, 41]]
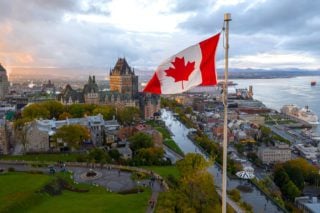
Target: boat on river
[[304, 115]]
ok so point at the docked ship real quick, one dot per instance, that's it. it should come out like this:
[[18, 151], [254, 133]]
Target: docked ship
[[304, 115]]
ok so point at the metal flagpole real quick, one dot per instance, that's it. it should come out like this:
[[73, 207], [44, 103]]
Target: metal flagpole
[[227, 18]]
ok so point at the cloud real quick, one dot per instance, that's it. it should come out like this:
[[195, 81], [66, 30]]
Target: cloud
[[264, 26], [92, 34]]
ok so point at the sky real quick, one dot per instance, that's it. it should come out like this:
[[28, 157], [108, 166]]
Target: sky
[[93, 34]]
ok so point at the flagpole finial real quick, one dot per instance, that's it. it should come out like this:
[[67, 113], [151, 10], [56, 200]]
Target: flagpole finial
[[227, 17]]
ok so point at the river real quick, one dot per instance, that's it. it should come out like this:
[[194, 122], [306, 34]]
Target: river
[[254, 197], [276, 92]]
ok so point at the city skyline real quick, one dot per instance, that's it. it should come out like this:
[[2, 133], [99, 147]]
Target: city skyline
[[88, 36]]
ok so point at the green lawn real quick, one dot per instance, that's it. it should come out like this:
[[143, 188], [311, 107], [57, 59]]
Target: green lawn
[[20, 191], [16, 187], [97, 200], [172, 145], [163, 171], [44, 157]]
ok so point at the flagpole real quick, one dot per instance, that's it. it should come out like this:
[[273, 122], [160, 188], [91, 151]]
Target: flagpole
[[227, 18]]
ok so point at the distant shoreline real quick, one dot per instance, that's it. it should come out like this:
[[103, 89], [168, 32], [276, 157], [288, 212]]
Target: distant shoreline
[[268, 74]]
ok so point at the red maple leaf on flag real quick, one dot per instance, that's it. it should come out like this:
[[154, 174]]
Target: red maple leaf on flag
[[180, 71]]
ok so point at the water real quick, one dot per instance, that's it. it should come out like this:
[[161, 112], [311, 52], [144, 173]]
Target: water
[[275, 93], [255, 198]]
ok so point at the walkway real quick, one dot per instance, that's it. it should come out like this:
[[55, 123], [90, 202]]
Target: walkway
[[113, 177], [156, 188]]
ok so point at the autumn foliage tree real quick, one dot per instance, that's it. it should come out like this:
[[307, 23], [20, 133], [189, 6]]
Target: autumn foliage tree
[[73, 135], [106, 111], [55, 108], [35, 111], [291, 176], [195, 191], [128, 115]]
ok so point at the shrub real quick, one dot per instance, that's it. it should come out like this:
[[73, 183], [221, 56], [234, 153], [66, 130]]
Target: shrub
[[81, 158], [11, 169], [139, 176], [235, 195], [132, 191], [53, 188], [34, 172]]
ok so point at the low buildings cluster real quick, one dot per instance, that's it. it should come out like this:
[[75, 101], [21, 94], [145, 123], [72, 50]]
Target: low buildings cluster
[[245, 117], [103, 133], [40, 133]]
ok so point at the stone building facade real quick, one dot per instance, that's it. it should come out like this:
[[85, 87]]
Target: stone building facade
[[277, 153], [4, 144], [4, 83], [123, 78], [91, 91]]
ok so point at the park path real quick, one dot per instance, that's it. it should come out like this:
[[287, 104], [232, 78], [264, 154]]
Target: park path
[[156, 188], [112, 178]]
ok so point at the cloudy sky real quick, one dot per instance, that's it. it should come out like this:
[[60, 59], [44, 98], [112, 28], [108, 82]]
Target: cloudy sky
[[92, 34]]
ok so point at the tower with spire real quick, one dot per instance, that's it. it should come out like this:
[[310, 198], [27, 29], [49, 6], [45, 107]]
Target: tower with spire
[[91, 91], [123, 78]]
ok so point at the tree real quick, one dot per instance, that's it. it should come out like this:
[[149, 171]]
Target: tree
[[306, 168], [97, 155], [73, 135], [192, 164], [77, 110], [150, 156], [106, 111], [88, 108], [64, 116], [140, 140], [55, 108], [290, 190], [128, 115], [296, 176], [280, 176], [34, 111], [196, 188], [114, 154]]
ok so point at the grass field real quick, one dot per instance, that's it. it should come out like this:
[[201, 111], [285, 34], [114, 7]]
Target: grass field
[[20, 192], [172, 145], [163, 171], [44, 157], [97, 200], [17, 187]]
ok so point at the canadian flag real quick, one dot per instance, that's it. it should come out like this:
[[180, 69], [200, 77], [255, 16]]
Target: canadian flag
[[191, 67]]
